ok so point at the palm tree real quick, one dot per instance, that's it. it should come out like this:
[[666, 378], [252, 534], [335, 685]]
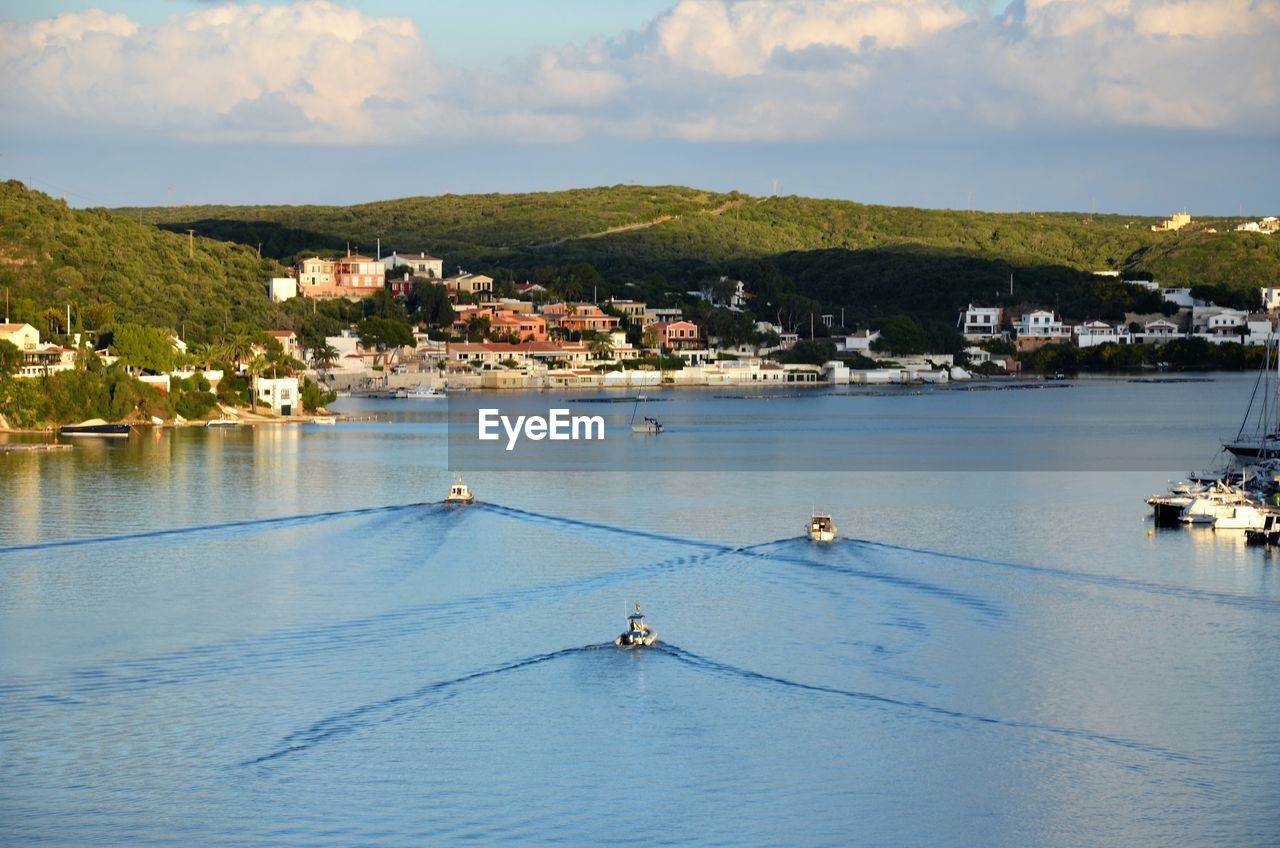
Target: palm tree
[[206, 352], [323, 356], [255, 368], [652, 337], [239, 348], [602, 347]]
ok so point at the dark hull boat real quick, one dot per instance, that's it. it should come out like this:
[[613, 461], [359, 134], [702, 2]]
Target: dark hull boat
[[1259, 434], [96, 427]]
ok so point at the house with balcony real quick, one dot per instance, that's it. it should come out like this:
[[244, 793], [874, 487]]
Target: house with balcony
[[579, 317], [1159, 331], [981, 322], [661, 315], [462, 283], [1039, 328], [1094, 333], [420, 264], [359, 276], [527, 328], [632, 310], [318, 278], [45, 359], [678, 335]]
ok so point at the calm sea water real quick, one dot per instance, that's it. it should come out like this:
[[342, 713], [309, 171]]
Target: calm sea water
[[275, 637]]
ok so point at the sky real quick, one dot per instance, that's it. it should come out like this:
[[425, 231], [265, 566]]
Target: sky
[[1128, 106]]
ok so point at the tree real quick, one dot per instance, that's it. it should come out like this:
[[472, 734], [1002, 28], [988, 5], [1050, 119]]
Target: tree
[[97, 317], [602, 348], [11, 358], [238, 347], [144, 348], [323, 356], [255, 368], [899, 334]]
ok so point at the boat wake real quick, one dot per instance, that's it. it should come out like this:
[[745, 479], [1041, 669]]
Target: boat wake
[[726, 670], [248, 524], [378, 712]]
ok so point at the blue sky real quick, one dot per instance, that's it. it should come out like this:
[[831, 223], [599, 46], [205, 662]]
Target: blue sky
[[1137, 106]]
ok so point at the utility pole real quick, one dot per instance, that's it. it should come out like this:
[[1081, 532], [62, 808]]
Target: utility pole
[[191, 244], [775, 186], [6, 304], [259, 250], [970, 195], [168, 193]]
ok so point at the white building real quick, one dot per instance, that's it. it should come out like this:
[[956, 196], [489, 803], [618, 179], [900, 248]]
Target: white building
[[1158, 331], [1040, 324], [981, 322], [21, 336], [281, 394], [859, 342], [1181, 297], [1093, 333], [420, 264], [1270, 298], [282, 288]]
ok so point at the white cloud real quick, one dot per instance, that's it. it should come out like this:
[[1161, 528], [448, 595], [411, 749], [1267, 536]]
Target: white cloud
[[200, 74], [736, 70]]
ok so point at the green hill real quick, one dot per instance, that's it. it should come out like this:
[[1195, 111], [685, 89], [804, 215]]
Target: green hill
[[648, 242], [52, 256], [862, 258]]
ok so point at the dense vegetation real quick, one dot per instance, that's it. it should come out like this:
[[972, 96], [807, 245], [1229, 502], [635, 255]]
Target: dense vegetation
[[866, 260]]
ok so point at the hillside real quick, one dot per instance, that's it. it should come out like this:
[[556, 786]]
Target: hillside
[[862, 258], [52, 256]]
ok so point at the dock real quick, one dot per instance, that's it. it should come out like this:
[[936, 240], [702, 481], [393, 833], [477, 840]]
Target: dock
[[34, 447]]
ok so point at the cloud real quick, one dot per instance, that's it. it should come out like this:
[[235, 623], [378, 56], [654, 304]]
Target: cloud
[[222, 70], [705, 70]]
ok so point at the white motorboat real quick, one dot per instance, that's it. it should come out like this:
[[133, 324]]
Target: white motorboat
[[1243, 517], [1218, 501], [638, 634], [325, 419], [223, 422], [425, 393], [821, 528], [459, 493]]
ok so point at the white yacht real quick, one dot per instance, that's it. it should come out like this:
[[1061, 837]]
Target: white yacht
[[1219, 501], [821, 528], [459, 493], [425, 393], [1243, 517]]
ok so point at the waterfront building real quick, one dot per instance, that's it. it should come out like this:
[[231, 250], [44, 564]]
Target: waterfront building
[[44, 359], [678, 335], [279, 393], [981, 322], [1038, 328], [1093, 333]]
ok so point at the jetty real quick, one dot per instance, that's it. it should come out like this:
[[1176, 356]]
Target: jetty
[[34, 447]]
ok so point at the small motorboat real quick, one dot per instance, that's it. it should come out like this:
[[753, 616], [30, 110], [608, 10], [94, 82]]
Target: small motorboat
[[425, 393], [638, 634], [820, 528], [459, 493], [325, 419], [223, 422], [96, 427]]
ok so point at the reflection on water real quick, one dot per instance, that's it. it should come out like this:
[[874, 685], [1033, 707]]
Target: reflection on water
[[281, 642]]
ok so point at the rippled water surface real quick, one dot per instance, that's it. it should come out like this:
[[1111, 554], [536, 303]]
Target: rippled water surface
[[276, 637]]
